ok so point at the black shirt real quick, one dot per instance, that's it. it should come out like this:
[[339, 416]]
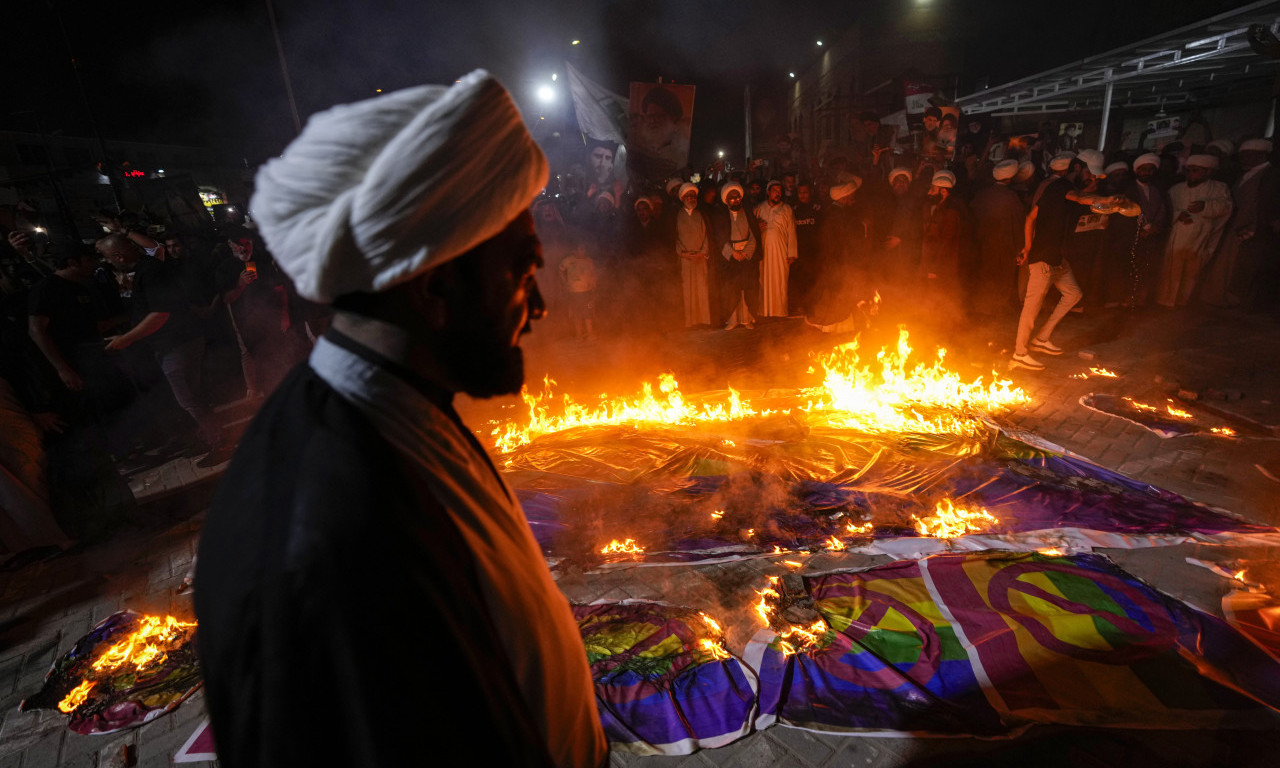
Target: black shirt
[[1054, 217], [158, 288], [72, 309]]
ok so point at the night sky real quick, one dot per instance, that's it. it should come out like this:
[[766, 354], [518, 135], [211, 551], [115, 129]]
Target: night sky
[[207, 74]]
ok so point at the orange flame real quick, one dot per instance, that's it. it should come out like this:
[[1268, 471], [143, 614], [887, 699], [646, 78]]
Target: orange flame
[[1141, 406], [1052, 552], [140, 647], [76, 697], [715, 648], [1227, 431], [949, 521], [1178, 412], [793, 563], [628, 547], [860, 529], [717, 515], [1104, 373], [834, 544]]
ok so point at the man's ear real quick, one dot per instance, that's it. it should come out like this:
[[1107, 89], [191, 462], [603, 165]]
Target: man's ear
[[429, 294]]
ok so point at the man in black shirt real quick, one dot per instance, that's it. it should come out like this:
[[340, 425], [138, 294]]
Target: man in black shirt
[[162, 316], [1046, 233], [63, 317]]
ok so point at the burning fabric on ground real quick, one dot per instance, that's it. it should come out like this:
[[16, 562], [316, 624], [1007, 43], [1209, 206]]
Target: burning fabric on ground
[[1161, 415], [128, 670], [878, 452]]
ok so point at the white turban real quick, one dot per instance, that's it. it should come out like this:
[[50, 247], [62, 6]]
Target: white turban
[[1062, 161], [845, 189], [724, 191], [1256, 145], [944, 179], [896, 172], [673, 182], [1203, 161], [1223, 146], [1116, 167], [374, 193], [1147, 159], [686, 188], [1094, 161], [1005, 169], [1026, 169]]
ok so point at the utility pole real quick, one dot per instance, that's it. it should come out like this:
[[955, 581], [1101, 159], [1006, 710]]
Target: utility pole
[[284, 68]]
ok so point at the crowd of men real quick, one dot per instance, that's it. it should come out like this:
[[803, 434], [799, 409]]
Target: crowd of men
[[113, 356], [968, 224]]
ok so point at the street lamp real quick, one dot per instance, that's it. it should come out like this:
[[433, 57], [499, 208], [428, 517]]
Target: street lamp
[[720, 153], [792, 74], [819, 43], [546, 94], [575, 42]]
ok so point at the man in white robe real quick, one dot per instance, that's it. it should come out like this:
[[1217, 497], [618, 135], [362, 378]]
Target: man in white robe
[[778, 234], [1201, 207], [693, 246]]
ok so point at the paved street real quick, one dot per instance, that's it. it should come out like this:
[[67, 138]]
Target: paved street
[[1227, 362]]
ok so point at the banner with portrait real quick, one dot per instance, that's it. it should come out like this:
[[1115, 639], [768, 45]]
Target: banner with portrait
[[661, 119]]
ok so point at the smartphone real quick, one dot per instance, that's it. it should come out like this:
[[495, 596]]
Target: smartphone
[[249, 266]]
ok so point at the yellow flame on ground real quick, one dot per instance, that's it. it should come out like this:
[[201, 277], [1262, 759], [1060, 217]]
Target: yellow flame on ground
[[949, 521], [891, 394], [1051, 552], [860, 529], [1228, 431], [628, 547], [834, 544], [1104, 373], [717, 515], [793, 563], [1141, 406], [1178, 412], [76, 697], [139, 648], [715, 648]]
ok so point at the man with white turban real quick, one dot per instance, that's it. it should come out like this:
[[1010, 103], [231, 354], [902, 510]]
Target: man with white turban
[[359, 507], [778, 236], [737, 239], [1201, 206], [1153, 227], [693, 237], [998, 216], [1246, 269]]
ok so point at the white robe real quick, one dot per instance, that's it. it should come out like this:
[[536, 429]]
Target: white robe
[[778, 233], [693, 235], [1191, 244]]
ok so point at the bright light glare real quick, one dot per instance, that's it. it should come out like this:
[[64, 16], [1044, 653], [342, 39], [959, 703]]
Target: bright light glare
[[546, 93], [554, 76], [575, 42], [793, 74], [720, 153], [819, 42]]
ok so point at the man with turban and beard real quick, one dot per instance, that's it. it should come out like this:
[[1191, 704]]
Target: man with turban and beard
[[738, 244], [692, 236], [998, 216], [363, 557], [1200, 208]]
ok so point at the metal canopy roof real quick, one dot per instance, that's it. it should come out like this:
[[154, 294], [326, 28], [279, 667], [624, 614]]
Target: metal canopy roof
[[1207, 61]]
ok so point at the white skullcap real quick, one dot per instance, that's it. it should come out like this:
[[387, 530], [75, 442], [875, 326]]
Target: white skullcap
[[1005, 169], [1223, 146], [1093, 160], [896, 172], [772, 183], [374, 193], [1062, 161], [1026, 169], [1116, 167], [1203, 161], [673, 182], [642, 199], [944, 179], [1256, 145], [844, 190], [606, 196], [686, 188], [1148, 159], [724, 191]]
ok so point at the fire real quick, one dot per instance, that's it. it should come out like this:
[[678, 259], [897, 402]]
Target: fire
[[78, 696], [949, 521], [1178, 412], [1228, 431], [716, 649], [1051, 552], [1238, 575], [628, 547], [793, 563], [667, 406], [140, 648], [710, 622], [718, 514], [1141, 406], [890, 395], [806, 637], [860, 529], [762, 608], [1104, 373], [834, 544]]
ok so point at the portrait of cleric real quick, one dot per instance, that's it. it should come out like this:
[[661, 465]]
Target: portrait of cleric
[[660, 119], [602, 168]]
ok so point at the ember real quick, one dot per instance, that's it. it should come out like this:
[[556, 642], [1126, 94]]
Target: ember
[[949, 521], [628, 547]]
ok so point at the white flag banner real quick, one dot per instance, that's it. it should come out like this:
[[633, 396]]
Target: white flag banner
[[601, 113]]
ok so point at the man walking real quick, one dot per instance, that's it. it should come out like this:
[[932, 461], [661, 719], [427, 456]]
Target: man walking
[[363, 553]]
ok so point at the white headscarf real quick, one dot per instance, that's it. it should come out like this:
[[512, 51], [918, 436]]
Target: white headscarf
[[1203, 161], [374, 193], [724, 191], [1005, 169]]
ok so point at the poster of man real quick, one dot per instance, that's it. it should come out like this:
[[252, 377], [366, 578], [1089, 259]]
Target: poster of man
[[602, 168], [661, 117]]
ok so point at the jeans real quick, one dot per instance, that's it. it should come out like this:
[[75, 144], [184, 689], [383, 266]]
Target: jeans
[[182, 367], [1039, 277]]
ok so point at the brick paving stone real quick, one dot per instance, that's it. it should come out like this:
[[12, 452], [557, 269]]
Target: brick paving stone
[[812, 749], [46, 752]]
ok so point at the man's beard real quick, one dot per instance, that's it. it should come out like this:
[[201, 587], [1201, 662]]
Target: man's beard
[[484, 366], [735, 206]]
